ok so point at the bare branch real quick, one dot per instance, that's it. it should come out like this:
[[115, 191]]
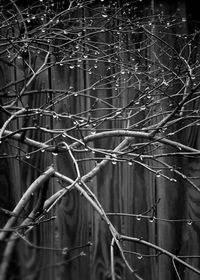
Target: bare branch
[[158, 248], [25, 199]]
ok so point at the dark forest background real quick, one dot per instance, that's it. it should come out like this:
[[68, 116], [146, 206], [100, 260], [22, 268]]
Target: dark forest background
[[72, 70]]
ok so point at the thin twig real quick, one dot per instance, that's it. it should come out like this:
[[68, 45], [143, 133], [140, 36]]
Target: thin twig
[[162, 250]]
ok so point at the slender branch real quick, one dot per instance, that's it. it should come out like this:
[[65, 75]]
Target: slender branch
[[158, 248], [99, 210], [30, 81], [9, 120], [176, 270], [112, 263], [103, 163]]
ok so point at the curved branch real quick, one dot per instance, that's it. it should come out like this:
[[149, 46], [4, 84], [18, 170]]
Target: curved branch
[[90, 138], [158, 248], [25, 198]]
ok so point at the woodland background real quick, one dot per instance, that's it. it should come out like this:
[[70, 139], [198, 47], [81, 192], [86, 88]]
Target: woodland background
[[127, 76]]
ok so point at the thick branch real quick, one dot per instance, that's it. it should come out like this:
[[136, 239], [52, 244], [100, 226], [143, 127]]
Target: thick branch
[[25, 198], [100, 135]]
